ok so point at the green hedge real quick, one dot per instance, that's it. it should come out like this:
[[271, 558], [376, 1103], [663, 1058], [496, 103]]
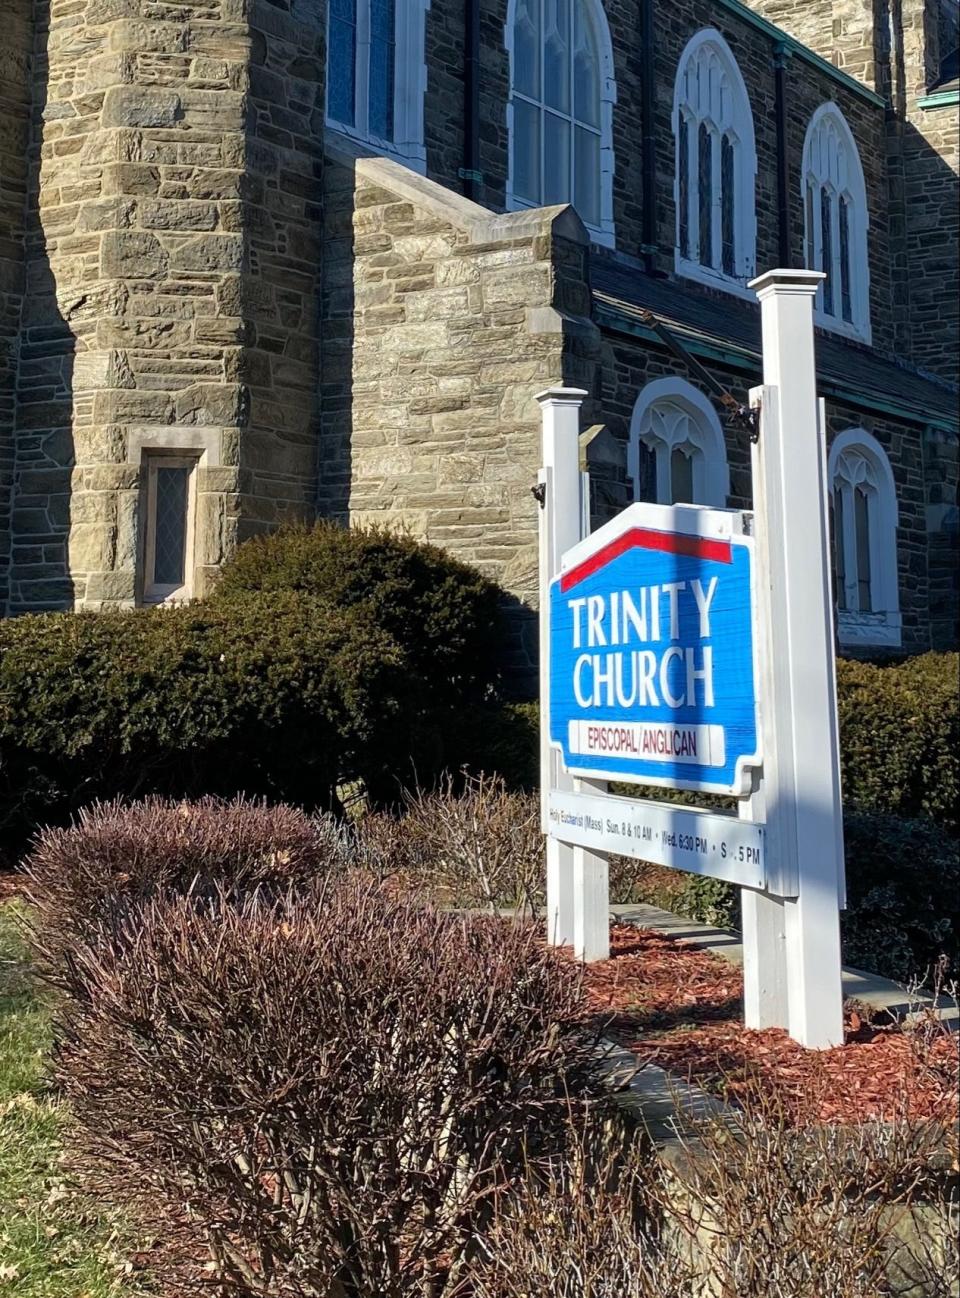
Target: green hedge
[[277, 695], [444, 614], [899, 736], [899, 740]]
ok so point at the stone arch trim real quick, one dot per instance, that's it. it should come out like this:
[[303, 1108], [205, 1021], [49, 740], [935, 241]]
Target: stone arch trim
[[710, 437]]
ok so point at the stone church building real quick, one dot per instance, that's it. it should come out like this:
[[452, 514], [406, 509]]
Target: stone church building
[[263, 259]]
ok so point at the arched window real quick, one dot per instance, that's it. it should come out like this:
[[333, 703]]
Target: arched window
[[560, 113], [716, 166], [677, 452], [376, 76], [836, 222], [863, 498]]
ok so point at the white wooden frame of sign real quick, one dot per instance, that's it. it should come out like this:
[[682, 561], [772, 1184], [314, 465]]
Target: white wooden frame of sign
[[785, 847]]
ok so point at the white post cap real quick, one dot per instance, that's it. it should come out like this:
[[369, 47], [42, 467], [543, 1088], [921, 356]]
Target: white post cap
[[787, 281], [565, 396]]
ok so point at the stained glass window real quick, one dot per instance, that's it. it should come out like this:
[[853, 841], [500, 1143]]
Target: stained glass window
[[727, 205], [342, 62], [846, 299], [705, 184], [683, 187], [647, 486], [170, 526], [862, 519], [839, 542], [681, 477], [383, 59], [556, 134], [826, 249]]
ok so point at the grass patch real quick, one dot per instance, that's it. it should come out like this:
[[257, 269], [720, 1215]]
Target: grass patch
[[53, 1242]]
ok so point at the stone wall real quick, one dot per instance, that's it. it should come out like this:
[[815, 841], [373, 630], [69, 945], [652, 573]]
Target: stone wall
[[16, 63], [173, 276], [440, 325], [674, 24]]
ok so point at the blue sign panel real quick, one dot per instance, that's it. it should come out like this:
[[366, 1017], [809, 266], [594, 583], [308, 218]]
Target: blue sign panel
[[652, 671]]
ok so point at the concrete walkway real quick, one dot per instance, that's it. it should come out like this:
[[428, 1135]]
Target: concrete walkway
[[881, 994]]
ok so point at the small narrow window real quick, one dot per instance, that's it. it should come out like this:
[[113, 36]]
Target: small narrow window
[[705, 184], [826, 249], [681, 476], [168, 530], [683, 197], [727, 205], [840, 551], [342, 62], [862, 515], [846, 299], [383, 62], [646, 487]]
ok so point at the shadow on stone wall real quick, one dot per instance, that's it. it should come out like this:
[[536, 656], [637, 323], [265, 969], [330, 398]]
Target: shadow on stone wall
[[42, 511], [337, 311]]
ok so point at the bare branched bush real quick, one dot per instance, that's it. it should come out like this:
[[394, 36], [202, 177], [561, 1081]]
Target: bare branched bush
[[480, 848], [578, 1227], [329, 1088], [118, 851], [771, 1209]]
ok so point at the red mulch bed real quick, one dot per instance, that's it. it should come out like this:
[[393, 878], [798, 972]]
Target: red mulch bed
[[681, 1009]]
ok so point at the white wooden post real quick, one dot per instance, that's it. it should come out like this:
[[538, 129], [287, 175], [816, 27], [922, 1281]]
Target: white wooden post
[[560, 525], [801, 773]]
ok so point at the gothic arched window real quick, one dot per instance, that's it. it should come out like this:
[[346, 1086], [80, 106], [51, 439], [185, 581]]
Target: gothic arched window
[[836, 222], [376, 77], [863, 498], [560, 112], [716, 165], [677, 452]]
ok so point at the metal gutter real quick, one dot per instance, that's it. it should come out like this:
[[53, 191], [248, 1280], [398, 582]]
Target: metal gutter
[[804, 52], [941, 99], [748, 361]]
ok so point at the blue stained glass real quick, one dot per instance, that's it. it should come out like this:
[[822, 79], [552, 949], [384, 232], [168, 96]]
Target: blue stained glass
[[342, 62], [383, 18]]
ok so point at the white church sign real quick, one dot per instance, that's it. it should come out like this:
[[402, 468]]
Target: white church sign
[[692, 648]]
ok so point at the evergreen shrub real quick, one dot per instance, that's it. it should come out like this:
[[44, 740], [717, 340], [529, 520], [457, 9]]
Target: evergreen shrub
[[279, 696], [326, 1091], [443, 613]]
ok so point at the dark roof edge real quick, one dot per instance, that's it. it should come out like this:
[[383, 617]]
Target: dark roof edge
[[746, 359]]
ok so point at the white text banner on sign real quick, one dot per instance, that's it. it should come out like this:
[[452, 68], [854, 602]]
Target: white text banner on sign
[[721, 847]]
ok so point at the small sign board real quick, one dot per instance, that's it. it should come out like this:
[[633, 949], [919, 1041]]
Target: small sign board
[[653, 676], [718, 846]]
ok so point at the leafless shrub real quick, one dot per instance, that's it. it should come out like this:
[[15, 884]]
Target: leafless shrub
[[328, 1088], [770, 1209], [118, 851], [480, 848], [578, 1227]]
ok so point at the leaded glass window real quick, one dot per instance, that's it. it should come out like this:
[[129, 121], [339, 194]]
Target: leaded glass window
[[839, 548], [342, 62], [705, 188], [835, 217], [681, 476], [727, 202], [677, 453], [846, 304], [716, 164], [375, 72], [826, 248], [683, 186], [646, 487], [862, 523], [168, 528], [557, 135]]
